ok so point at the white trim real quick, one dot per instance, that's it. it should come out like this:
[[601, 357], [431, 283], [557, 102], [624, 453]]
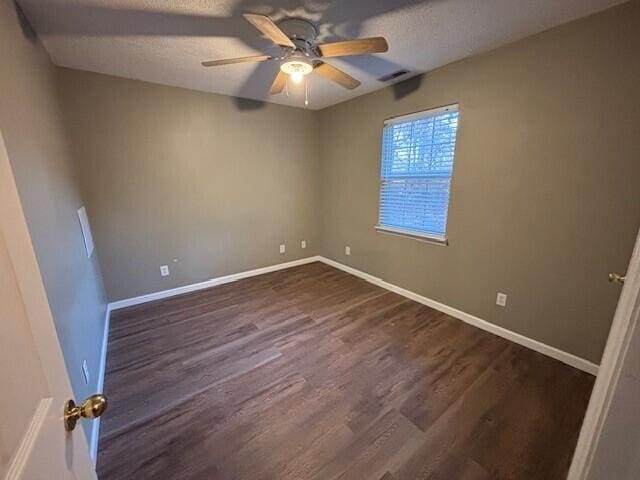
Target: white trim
[[129, 302], [439, 240], [95, 429], [564, 357], [625, 320], [422, 114], [20, 458]]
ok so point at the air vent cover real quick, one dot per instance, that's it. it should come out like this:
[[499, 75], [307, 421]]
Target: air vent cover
[[393, 76]]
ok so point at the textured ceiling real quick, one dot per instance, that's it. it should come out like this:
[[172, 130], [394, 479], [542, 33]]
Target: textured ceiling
[[165, 41]]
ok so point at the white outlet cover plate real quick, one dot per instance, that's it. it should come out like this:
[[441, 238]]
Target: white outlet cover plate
[[303, 244], [501, 299], [282, 248], [164, 270], [347, 250]]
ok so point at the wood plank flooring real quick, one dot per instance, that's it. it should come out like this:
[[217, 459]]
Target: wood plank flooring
[[311, 373]]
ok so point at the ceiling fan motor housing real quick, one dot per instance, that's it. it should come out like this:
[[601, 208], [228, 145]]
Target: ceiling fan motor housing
[[302, 32]]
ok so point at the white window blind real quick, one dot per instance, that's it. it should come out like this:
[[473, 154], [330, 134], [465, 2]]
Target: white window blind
[[417, 164]]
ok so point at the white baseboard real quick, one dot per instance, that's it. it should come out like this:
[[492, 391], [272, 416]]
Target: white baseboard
[[129, 302], [564, 357], [95, 431], [553, 352]]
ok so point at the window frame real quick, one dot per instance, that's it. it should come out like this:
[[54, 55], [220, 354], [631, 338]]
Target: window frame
[[433, 238]]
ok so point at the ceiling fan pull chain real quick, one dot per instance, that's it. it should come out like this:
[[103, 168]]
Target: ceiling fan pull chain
[[306, 91]]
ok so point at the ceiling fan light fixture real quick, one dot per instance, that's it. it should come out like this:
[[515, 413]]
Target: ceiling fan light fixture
[[297, 77], [297, 68]]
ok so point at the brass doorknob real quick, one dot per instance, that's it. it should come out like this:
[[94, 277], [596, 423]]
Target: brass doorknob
[[616, 278], [92, 407]]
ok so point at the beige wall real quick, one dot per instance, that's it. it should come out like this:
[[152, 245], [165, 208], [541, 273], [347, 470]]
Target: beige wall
[[31, 123], [170, 173], [545, 198]]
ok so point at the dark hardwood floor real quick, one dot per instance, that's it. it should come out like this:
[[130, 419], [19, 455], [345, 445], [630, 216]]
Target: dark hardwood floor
[[311, 373]]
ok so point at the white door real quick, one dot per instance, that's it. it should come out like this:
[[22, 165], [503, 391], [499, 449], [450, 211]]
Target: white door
[[609, 443], [34, 385]]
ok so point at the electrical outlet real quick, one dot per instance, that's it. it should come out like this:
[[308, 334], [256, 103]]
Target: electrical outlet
[[347, 250], [164, 270], [283, 248], [501, 299], [303, 244], [85, 372]]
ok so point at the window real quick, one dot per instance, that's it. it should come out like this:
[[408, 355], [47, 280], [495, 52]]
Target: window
[[415, 178]]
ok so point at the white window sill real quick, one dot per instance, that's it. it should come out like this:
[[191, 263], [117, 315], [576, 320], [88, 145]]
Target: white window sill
[[423, 237]]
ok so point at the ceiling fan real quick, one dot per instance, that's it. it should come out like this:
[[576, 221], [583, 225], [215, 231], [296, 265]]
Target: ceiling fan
[[301, 55]]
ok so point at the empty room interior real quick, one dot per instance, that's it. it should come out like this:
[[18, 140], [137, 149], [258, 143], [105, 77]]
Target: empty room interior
[[316, 240]]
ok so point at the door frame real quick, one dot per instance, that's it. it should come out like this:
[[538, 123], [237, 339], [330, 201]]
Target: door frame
[[626, 319]]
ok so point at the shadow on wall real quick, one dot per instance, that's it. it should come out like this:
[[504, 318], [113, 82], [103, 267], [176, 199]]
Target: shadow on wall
[[336, 21], [27, 30], [407, 87]]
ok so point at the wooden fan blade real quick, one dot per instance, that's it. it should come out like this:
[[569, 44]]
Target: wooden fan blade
[[268, 28], [279, 83], [337, 75], [361, 46], [228, 61]]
